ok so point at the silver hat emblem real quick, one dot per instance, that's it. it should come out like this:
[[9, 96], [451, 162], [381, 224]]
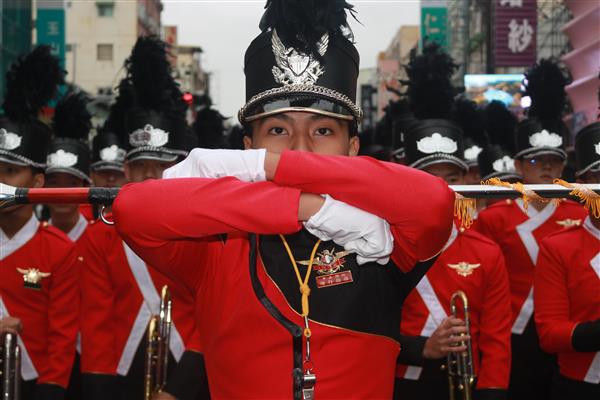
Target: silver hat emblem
[[61, 159], [112, 154], [294, 67], [504, 164], [9, 140], [472, 152], [437, 143], [597, 146], [545, 139], [149, 136]]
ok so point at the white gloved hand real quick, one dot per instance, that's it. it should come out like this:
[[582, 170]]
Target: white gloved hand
[[356, 230], [246, 165]]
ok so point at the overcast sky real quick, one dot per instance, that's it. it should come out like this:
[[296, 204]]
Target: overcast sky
[[225, 28]]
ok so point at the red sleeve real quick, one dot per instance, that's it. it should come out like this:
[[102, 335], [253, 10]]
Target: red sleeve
[[419, 206], [551, 302], [170, 222], [63, 320], [97, 338], [495, 326]]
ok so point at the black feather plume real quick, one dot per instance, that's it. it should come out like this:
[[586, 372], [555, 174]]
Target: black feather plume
[[500, 125], [148, 84], [31, 82], [302, 23], [72, 118], [209, 129], [470, 118], [545, 84], [430, 91]]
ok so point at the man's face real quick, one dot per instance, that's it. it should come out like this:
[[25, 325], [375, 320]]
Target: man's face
[[60, 180], [452, 174], [302, 131], [541, 169], [140, 170], [108, 178], [19, 176]]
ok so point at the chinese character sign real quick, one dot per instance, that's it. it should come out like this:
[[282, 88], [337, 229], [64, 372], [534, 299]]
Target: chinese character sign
[[50, 26], [434, 25], [516, 30]]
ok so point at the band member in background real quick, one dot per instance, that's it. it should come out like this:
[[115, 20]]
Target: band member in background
[[539, 159], [108, 157], [567, 289], [68, 161], [120, 291], [38, 265], [469, 262], [68, 165], [264, 299]]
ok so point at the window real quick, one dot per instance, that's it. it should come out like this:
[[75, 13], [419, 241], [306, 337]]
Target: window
[[104, 52], [105, 9]]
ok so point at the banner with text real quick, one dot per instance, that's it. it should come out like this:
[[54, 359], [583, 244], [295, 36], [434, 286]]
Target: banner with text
[[516, 31]]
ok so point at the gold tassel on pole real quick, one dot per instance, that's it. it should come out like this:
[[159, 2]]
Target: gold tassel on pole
[[589, 198], [465, 209], [528, 195]]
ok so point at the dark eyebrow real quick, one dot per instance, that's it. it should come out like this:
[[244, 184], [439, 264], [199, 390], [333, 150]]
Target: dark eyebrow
[[316, 117]]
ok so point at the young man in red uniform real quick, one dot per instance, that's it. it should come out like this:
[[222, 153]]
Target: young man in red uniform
[[567, 289], [470, 263], [38, 266], [290, 316], [120, 292], [540, 158], [68, 162]]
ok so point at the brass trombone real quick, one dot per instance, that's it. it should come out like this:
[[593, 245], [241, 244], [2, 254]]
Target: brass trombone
[[157, 352], [10, 371], [460, 365]]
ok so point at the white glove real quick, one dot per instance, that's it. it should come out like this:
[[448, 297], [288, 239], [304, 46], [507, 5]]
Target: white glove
[[246, 165], [356, 230]]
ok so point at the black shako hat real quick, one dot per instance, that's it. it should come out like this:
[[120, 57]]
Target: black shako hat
[[302, 61], [107, 152], [496, 162], [587, 149], [69, 151], [31, 82], [543, 132], [535, 137], [434, 141], [149, 112]]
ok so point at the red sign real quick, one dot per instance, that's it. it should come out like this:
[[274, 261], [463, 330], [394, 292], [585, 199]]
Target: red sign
[[516, 31]]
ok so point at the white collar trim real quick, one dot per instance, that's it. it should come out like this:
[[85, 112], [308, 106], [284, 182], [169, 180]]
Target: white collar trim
[[24, 235], [532, 212], [587, 224]]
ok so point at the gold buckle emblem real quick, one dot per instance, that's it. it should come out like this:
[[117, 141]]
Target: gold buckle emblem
[[328, 261], [463, 268], [569, 222], [32, 277]]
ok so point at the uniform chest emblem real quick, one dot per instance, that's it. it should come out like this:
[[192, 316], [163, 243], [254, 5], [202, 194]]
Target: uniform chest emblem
[[569, 222], [32, 277], [327, 265], [463, 268]]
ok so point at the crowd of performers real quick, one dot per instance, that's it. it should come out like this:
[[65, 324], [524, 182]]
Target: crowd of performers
[[299, 263]]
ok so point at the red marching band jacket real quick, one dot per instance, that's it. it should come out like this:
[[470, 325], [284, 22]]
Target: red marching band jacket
[[518, 232], [475, 265], [120, 293], [39, 273], [567, 292], [247, 325]]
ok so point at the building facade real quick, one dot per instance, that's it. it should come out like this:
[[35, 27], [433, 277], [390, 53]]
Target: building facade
[[100, 35]]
